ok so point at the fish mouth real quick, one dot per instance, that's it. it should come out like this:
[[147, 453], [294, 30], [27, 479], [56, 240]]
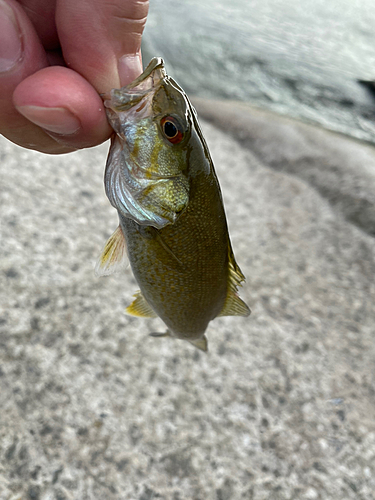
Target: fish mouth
[[155, 70], [129, 95]]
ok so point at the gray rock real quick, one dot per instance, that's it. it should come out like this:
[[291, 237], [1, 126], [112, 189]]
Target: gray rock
[[282, 407], [341, 170]]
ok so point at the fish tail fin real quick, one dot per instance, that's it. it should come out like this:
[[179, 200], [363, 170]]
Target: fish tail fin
[[113, 257], [200, 343]]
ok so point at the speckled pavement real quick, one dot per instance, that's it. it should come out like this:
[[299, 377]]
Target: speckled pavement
[[283, 405]]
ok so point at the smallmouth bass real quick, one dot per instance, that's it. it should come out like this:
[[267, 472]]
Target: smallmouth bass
[[161, 180]]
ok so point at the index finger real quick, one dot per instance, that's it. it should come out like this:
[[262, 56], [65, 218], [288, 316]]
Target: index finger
[[101, 39]]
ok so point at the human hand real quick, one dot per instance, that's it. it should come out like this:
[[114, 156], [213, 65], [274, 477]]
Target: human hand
[[56, 57]]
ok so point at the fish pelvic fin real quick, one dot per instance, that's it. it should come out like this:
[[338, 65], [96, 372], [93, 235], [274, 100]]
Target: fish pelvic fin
[[160, 334], [200, 344], [113, 257], [140, 307], [233, 305]]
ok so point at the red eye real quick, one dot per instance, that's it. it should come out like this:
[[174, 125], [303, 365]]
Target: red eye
[[172, 129]]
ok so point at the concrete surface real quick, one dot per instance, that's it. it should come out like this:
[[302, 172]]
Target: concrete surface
[[283, 405]]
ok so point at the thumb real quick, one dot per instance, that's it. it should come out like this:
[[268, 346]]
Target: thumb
[[101, 39]]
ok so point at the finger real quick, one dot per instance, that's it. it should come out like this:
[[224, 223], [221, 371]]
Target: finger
[[101, 39], [21, 54], [65, 106], [42, 15]]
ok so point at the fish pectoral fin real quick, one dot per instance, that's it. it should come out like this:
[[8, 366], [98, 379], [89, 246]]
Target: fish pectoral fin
[[200, 344], [234, 306], [167, 248], [140, 307], [113, 257]]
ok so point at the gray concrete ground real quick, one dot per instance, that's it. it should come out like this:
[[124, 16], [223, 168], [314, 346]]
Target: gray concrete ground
[[283, 405]]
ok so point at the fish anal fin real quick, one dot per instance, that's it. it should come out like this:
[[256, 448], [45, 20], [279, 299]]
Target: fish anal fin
[[140, 307], [113, 257], [234, 306], [200, 343]]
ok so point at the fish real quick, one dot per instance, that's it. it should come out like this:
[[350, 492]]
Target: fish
[[161, 180]]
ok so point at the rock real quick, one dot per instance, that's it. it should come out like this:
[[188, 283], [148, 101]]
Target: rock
[[340, 169], [281, 407]]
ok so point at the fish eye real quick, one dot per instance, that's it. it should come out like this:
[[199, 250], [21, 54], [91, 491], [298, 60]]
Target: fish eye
[[172, 130]]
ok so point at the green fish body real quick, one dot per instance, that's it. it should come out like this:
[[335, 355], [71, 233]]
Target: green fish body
[[161, 179]]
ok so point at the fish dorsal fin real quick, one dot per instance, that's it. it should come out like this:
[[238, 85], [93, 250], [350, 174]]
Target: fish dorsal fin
[[236, 276], [113, 257], [200, 344], [233, 305], [140, 307]]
